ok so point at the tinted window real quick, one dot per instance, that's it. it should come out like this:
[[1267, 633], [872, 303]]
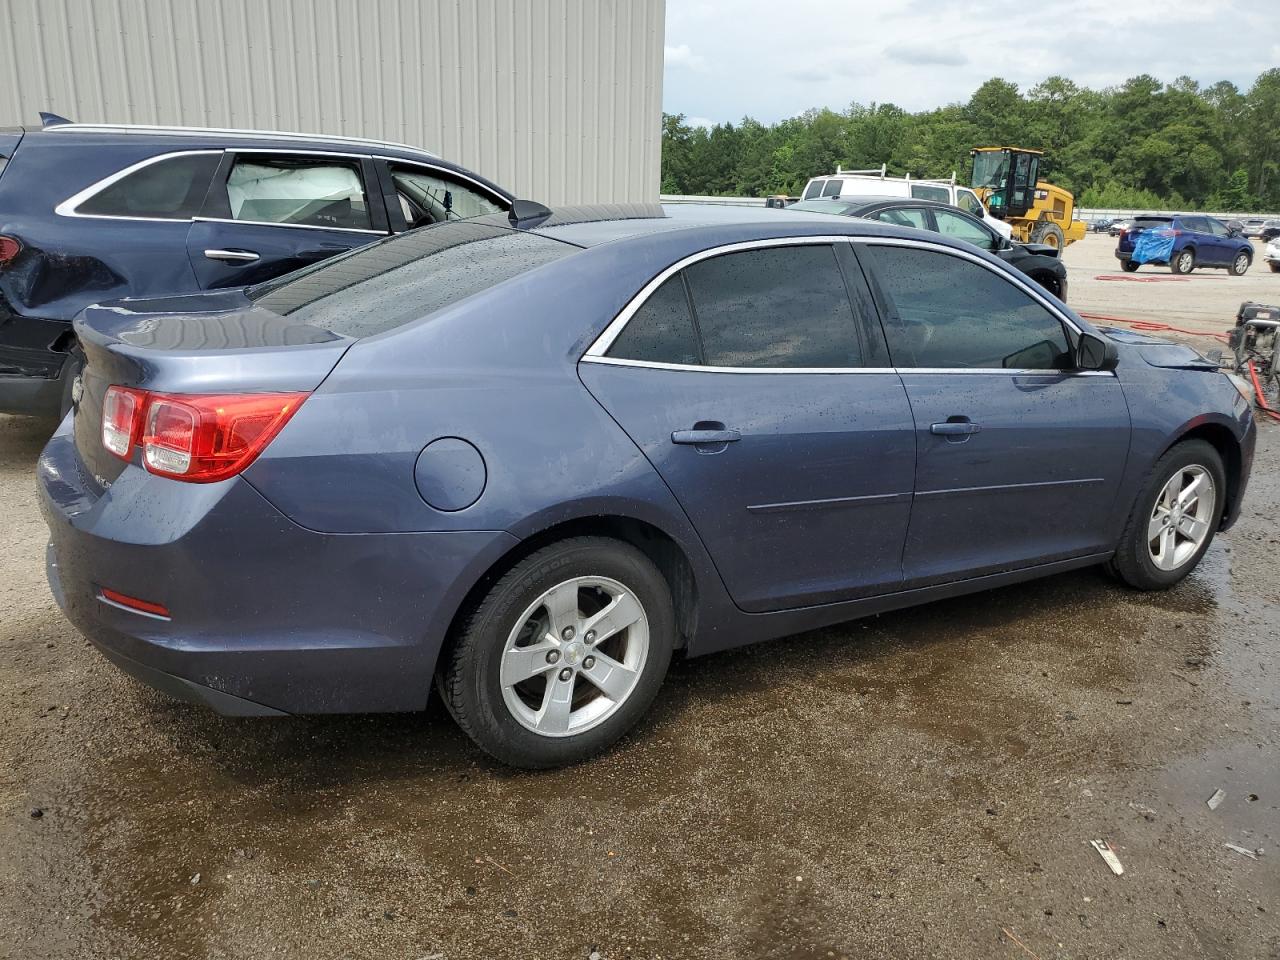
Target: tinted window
[[169, 189], [964, 228], [1152, 223], [923, 191], [776, 307], [946, 311], [384, 285], [313, 193], [427, 197], [661, 331], [903, 218], [832, 189], [814, 189]]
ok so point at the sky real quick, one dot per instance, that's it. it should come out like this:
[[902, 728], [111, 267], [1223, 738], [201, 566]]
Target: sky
[[770, 59]]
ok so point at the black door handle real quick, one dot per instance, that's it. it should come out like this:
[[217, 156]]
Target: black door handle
[[706, 436]]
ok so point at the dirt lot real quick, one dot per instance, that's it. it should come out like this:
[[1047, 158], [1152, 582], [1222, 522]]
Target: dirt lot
[[921, 784], [1204, 300]]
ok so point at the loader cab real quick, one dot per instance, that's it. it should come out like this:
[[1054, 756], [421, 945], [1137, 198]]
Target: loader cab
[[1005, 177]]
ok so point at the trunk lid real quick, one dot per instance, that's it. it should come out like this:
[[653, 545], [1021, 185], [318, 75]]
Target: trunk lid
[[202, 343]]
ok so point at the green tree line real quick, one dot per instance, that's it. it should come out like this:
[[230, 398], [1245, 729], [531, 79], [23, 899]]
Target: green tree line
[[1143, 144]]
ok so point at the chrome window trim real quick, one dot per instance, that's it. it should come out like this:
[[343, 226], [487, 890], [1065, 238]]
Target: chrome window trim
[[67, 208], [291, 226], [596, 353], [160, 131]]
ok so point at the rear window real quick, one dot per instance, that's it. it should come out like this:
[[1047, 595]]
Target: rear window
[[1149, 223], [385, 285], [169, 189]]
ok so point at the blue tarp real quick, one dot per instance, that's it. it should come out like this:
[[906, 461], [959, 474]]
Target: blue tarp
[[1154, 246]]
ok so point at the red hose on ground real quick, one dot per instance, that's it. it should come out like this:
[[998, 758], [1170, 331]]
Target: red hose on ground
[[1262, 400]]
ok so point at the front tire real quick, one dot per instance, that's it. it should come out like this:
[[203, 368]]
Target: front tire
[[1240, 265], [1183, 261], [1049, 233], [1174, 518], [563, 655]]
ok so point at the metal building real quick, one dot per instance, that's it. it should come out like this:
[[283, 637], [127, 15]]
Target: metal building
[[557, 100]]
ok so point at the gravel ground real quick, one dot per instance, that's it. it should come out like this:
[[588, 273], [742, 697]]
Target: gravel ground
[[920, 784]]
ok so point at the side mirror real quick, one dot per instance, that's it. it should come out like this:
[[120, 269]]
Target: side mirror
[[1096, 353]]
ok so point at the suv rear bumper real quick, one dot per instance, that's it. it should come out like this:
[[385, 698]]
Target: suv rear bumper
[[33, 367]]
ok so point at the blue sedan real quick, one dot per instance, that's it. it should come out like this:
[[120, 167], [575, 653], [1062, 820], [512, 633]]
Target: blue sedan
[[527, 459]]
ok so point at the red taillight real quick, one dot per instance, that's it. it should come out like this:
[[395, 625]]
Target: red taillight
[[10, 247], [133, 603], [202, 438], [121, 417]]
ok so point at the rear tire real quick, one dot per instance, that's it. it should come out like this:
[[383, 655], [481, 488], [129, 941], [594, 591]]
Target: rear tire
[[1129, 266], [505, 695], [1275, 266], [1240, 265], [1158, 562], [1183, 261]]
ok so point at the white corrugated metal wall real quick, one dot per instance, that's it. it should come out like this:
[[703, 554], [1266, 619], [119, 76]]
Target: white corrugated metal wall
[[558, 100]]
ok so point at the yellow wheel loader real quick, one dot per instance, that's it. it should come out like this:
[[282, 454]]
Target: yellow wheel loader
[[1007, 180]]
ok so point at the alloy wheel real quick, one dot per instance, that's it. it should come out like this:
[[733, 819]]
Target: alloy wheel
[[1242, 265], [1182, 518], [574, 656]]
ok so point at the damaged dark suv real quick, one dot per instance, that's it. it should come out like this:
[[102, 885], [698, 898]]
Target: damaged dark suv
[[101, 213]]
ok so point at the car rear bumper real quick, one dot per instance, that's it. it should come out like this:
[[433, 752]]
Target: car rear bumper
[[265, 617]]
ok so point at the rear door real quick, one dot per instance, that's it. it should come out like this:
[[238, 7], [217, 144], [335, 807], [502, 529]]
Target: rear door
[[269, 213], [748, 378], [1018, 455]]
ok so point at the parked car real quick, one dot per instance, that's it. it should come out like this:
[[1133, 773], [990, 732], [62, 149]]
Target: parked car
[[1118, 227], [1269, 231], [1038, 261], [1198, 241], [1252, 226], [91, 213], [1100, 225], [877, 183], [569, 446], [1271, 256]]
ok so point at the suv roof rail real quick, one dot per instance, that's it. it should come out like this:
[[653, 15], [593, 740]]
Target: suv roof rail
[[144, 128]]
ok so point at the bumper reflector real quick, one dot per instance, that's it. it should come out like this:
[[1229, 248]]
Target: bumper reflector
[[133, 603]]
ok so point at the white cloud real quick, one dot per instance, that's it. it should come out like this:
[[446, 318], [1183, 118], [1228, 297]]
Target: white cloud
[[682, 56], [700, 122]]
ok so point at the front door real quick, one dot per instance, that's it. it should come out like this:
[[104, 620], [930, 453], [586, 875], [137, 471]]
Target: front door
[[1018, 455], [270, 213], [752, 386]]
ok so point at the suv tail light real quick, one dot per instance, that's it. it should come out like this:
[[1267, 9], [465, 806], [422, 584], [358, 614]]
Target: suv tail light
[[10, 247], [200, 438]]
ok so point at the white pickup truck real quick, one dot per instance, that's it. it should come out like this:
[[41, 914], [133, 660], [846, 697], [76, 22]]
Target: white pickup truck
[[877, 183]]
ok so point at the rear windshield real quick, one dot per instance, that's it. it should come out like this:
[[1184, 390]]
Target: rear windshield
[[1147, 223], [382, 286]]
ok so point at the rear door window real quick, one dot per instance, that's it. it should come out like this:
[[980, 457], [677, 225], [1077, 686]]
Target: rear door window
[[172, 188], [946, 311], [312, 192], [384, 285], [774, 307], [924, 191]]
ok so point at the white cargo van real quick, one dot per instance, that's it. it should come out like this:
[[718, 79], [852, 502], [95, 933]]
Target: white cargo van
[[877, 183]]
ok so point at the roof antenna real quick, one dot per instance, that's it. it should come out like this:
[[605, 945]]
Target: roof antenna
[[52, 119], [527, 214]]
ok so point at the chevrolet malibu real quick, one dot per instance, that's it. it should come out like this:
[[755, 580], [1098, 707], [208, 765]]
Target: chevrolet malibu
[[527, 459]]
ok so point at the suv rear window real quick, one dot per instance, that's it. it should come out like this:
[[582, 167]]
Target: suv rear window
[[1150, 223], [385, 285], [169, 189]]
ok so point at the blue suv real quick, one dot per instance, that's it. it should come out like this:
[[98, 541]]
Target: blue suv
[[97, 213], [1197, 241]]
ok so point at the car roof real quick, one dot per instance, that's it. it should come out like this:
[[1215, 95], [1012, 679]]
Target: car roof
[[872, 202]]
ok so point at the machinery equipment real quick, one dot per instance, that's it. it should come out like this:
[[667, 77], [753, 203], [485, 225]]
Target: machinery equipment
[[1007, 181]]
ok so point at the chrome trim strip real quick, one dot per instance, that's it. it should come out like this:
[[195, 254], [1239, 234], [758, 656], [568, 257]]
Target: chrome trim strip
[[833, 502], [623, 362], [67, 208], [962, 491], [291, 226], [154, 130]]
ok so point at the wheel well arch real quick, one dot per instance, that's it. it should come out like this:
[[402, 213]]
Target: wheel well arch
[[1224, 441], [663, 550]]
